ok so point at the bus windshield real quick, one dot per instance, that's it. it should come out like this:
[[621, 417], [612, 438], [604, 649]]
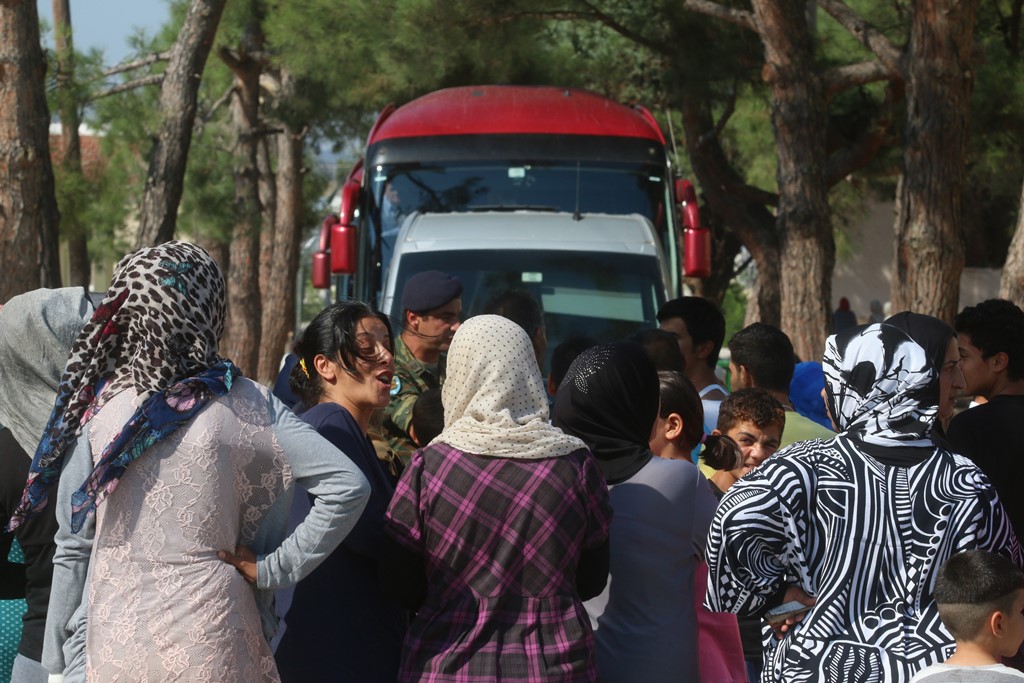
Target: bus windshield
[[614, 188], [601, 295], [588, 187]]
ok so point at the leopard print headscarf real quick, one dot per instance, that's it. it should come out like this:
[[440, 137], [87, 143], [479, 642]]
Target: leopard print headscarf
[[158, 325]]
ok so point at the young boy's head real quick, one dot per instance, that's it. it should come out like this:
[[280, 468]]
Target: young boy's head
[[991, 340], [981, 600], [427, 419], [754, 419]]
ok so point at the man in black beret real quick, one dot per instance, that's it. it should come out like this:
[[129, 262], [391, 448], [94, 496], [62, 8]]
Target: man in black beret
[[431, 313]]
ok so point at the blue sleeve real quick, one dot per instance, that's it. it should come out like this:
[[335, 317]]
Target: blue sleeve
[[64, 639]]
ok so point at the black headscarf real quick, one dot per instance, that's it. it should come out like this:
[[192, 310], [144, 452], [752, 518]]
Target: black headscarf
[[609, 399]]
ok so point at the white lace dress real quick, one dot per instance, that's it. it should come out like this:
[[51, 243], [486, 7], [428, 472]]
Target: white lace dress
[[161, 605]]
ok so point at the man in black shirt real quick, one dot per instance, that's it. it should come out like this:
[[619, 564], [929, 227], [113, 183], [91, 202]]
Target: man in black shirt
[[991, 340]]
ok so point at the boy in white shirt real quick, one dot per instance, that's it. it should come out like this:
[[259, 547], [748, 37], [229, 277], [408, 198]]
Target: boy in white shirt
[[981, 602]]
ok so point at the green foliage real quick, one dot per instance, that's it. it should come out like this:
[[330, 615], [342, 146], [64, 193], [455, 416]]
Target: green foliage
[[127, 123], [734, 308], [836, 46], [351, 58], [996, 148], [749, 140]]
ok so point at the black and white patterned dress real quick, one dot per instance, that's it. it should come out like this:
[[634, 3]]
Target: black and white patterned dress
[[864, 537]]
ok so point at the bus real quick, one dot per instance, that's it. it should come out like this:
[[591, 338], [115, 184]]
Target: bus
[[507, 149]]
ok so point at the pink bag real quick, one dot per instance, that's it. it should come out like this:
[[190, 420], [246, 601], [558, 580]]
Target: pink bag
[[719, 650]]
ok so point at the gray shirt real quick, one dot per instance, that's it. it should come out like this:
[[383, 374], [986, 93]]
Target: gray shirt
[[645, 623], [946, 673]]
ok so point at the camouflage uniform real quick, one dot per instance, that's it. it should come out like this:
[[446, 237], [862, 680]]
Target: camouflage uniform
[[412, 378]]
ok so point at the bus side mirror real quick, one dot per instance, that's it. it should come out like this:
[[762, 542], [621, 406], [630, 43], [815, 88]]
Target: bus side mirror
[[351, 193], [321, 270], [696, 239], [697, 256], [343, 248], [322, 257]]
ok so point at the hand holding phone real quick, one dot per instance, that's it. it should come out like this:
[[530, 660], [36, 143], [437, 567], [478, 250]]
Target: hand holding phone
[[785, 611]]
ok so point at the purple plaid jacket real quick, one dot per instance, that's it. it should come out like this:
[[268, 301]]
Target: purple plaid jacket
[[501, 539]]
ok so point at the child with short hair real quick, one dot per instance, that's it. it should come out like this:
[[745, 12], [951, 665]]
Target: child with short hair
[[981, 602], [754, 419], [427, 419]]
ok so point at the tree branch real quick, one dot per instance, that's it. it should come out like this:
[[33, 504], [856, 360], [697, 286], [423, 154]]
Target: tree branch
[[129, 85], [205, 117], [136, 63], [220, 101], [592, 15], [625, 32], [266, 132], [730, 109], [874, 135], [753, 194], [741, 18], [228, 56], [237, 60], [841, 78], [865, 33], [857, 156]]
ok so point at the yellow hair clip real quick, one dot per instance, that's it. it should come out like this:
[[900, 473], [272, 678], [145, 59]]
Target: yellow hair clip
[[302, 364]]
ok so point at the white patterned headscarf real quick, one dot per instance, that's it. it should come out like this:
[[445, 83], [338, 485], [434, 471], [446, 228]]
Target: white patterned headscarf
[[494, 398], [881, 386]]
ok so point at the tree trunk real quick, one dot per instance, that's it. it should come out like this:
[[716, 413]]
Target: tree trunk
[[29, 218], [241, 340], [1011, 285], [178, 103], [929, 255], [751, 221], [799, 119], [71, 227], [279, 302]]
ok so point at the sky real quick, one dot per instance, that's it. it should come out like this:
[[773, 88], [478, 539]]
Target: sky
[[107, 24]]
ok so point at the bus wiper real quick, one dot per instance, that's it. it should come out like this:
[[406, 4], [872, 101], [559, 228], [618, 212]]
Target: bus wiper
[[512, 207]]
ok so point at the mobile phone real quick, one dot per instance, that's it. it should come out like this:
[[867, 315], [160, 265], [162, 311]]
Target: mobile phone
[[785, 611]]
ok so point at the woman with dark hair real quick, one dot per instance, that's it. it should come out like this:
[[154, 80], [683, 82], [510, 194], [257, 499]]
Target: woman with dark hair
[[339, 624], [855, 528], [499, 527], [170, 463], [645, 620]]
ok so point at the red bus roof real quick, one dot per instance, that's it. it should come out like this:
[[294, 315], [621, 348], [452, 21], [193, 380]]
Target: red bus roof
[[506, 109]]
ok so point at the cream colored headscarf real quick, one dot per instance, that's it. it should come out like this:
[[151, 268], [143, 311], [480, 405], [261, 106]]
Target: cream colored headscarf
[[494, 398]]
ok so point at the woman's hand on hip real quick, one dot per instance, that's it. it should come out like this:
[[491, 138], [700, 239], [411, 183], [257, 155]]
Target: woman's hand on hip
[[243, 559]]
